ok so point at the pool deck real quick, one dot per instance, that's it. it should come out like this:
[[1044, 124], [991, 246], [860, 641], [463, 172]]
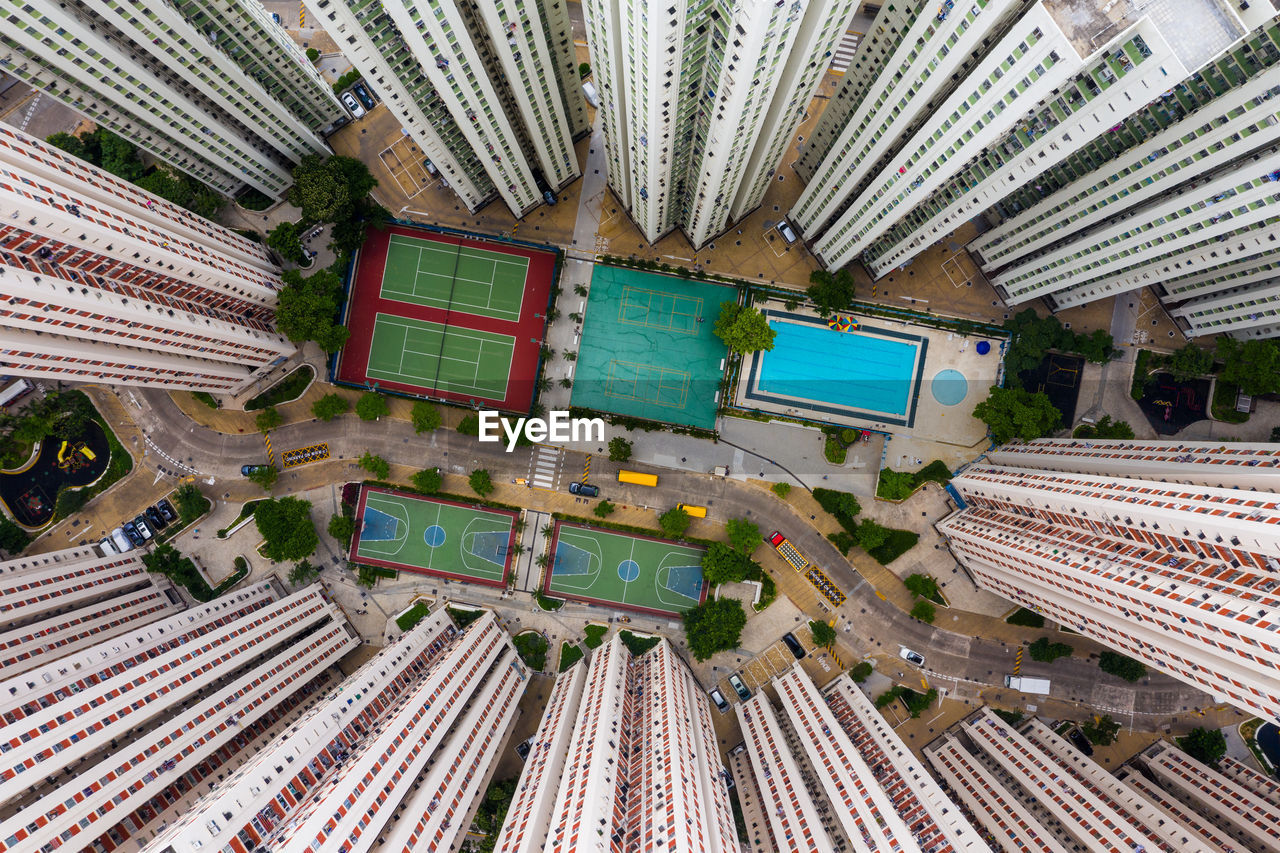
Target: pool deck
[[930, 421]]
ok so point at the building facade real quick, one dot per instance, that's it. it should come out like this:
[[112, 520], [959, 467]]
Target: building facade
[[488, 91], [700, 100], [625, 759], [110, 742], [104, 282], [211, 87], [395, 757], [1181, 573]]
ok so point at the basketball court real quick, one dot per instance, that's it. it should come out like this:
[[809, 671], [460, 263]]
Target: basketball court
[[433, 537], [648, 349], [623, 570], [447, 317]]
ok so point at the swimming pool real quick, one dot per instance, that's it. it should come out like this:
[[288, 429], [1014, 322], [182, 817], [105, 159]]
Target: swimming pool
[[848, 369]]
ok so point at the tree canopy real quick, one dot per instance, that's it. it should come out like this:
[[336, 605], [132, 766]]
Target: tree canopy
[[1101, 730], [371, 406], [1253, 365], [375, 465], [674, 522], [1189, 362], [425, 416], [1121, 666], [285, 524], [871, 534], [1105, 428], [330, 406], [619, 449], [714, 626], [327, 189], [743, 328], [307, 309], [823, 634], [428, 480], [342, 527], [830, 293], [744, 536], [1034, 335], [1207, 746], [286, 239], [1014, 413], [721, 564], [481, 482], [921, 585], [1044, 651], [268, 419]]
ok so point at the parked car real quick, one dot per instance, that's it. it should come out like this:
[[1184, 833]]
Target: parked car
[[910, 657], [738, 687], [246, 470], [793, 644], [107, 546], [785, 230], [718, 698], [121, 541], [585, 489], [363, 95], [140, 524], [350, 101], [132, 533], [155, 518], [166, 509], [275, 16]]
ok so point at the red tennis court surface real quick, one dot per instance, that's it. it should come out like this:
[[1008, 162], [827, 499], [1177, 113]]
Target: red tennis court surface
[[449, 303]]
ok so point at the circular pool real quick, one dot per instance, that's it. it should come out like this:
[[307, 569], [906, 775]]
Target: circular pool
[[949, 387]]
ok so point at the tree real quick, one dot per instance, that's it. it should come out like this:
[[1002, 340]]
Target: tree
[[721, 564], [330, 406], [830, 293], [342, 527], [307, 308], [744, 536], [268, 419], [823, 634], [375, 465], [286, 239], [922, 586], [871, 534], [313, 55], [1044, 651], [1254, 365], [584, 70], [603, 509], [1101, 731], [68, 143], [1014, 413], [425, 417], [674, 522], [428, 480], [781, 489], [321, 197], [1204, 745], [924, 611], [1121, 666], [481, 482], [286, 525], [168, 561], [119, 157], [861, 672], [619, 449], [1189, 362], [191, 504], [13, 539], [1105, 428], [264, 476], [842, 505], [1097, 346], [371, 406], [302, 572], [743, 328], [714, 626]]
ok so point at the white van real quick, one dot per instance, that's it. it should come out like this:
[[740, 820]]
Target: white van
[[121, 541], [593, 97]]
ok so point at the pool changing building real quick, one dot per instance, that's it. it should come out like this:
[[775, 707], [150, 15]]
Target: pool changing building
[[395, 758], [101, 747], [1181, 572]]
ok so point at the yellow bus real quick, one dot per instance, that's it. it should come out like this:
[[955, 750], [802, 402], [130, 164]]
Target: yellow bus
[[694, 511], [635, 478]]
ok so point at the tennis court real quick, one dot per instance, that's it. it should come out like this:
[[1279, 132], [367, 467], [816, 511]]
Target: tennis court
[[446, 316], [433, 537], [648, 349], [623, 570]]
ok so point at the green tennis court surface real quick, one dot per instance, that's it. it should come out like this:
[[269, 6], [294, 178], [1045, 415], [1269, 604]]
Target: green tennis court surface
[[434, 537], [453, 277], [419, 352], [631, 572], [648, 349]]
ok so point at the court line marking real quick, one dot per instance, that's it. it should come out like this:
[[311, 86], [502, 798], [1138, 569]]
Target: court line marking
[[381, 319], [470, 252]]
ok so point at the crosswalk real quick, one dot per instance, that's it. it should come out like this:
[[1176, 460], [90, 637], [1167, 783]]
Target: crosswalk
[[843, 54], [544, 466]]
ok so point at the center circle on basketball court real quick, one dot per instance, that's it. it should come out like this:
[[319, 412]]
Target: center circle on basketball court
[[434, 536], [628, 570]]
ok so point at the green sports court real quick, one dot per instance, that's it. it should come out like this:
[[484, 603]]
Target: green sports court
[[454, 277], [455, 360], [623, 570], [435, 537], [648, 349]]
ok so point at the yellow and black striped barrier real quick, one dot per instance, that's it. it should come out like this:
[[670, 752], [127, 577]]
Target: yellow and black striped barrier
[[1017, 662], [271, 455], [586, 469]]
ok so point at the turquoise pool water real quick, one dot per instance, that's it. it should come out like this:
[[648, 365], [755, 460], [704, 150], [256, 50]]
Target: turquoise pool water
[[811, 362]]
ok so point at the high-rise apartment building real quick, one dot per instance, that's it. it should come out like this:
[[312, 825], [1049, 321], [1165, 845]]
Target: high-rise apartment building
[[211, 87], [488, 91], [1110, 147], [101, 747], [394, 759], [831, 774], [625, 759], [55, 604], [1181, 572], [101, 281], [700, 100]]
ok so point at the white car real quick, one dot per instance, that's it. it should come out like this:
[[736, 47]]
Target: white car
[[910, 657], [352, 104]]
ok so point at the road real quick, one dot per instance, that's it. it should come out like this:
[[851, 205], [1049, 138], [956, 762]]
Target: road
[[950, 656]]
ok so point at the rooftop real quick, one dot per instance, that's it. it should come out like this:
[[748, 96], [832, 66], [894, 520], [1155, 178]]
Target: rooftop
[[1196, 30]]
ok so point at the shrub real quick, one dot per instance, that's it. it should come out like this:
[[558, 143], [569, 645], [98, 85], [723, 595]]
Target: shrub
[[781, 489], [924, 611], [1026, 618], [890, 696], [1101, 730], [843, 541], [1121, 666], [375, 465], [412, 616], [619, 449], [533, 650], [13, 539], [835, 452], [603, 509], [342, 528], [549, 604], [595, 635], [569, 655], [898, 543], [206, 398], [313, 55], [1010, 717], [289, 388], [463, 618], [637, 645]]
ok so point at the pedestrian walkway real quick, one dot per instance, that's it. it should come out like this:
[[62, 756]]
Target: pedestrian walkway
[[544, 467], [844, 52]]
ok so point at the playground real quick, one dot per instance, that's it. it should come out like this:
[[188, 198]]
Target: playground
[[445, 316], [648, 349], [624, 570], [433, 537], [1172, 406], [1058, 375], [31, 493]]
